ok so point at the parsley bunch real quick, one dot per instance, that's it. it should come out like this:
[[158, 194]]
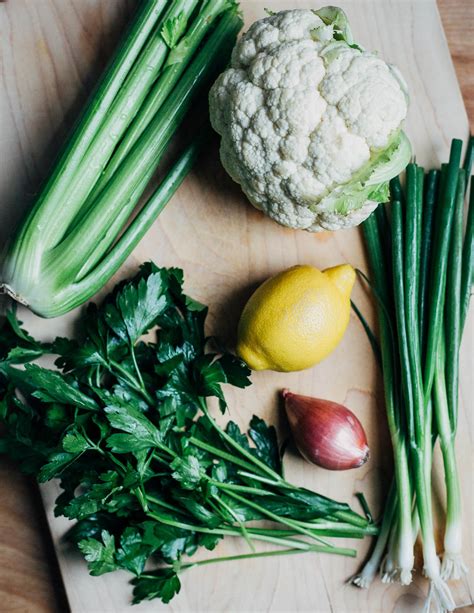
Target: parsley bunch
[[146, 472]]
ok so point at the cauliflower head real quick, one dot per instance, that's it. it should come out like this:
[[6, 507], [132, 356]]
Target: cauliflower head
[[309, 121]]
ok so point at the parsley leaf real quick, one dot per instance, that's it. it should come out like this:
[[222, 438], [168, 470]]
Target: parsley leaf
[[73, 354], [138, 306], [188, 471], [236, 372], [142, 432], [169, 541], [16, 345], [53, 387], [100, 556], [56, 464], [75, 442], [162, 583], [132, 554], [266, 443]]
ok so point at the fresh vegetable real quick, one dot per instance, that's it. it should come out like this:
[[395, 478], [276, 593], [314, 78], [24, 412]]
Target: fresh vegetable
[[309, 121], [146, 472], [72, 240], [296, 318], [422, 287], [326, 433]]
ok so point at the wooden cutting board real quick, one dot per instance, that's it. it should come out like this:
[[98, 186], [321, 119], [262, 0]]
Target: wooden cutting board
[[226, 248]]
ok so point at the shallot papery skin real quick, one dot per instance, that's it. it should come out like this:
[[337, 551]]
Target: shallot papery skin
[[326, 433]]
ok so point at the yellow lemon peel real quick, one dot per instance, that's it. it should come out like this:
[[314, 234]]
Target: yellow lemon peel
[[296, 318]]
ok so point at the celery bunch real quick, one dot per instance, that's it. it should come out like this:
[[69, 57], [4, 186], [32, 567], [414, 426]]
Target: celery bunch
[[73, 239]]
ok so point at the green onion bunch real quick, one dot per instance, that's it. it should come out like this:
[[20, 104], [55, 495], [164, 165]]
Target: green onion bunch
[[421, 278], [77, 234]]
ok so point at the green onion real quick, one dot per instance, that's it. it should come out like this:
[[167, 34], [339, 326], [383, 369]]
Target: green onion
[[453, 300], [432, 184], [406, 231], [380, 275], [445, 393], [364, 578], [453, 566], [431, 281], [439, 264], [467, 260]]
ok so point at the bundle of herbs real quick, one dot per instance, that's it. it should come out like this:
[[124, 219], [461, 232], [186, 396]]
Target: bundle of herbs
[[145, 470], [421, 277], [76, 236]]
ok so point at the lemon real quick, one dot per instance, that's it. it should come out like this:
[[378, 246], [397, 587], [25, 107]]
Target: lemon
[[296, 318]]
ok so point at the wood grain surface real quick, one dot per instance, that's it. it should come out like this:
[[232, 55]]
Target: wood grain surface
[[75, 38]]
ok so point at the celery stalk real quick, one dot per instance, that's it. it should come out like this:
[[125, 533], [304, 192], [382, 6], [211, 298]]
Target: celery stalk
[[77, 267], [118, 199], [121, 112], [32, 239], [175, 65]]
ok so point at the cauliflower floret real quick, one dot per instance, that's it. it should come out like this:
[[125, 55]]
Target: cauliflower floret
[[335, 153], [337, 221], [282, 27], [367, 95], [301, 114], [293, 66], [288, 110], [222, 112]]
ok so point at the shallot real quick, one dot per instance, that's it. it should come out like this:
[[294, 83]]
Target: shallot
[[326, 433]]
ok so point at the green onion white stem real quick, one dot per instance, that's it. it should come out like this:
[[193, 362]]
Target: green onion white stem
[[453, 566], [364, 578]]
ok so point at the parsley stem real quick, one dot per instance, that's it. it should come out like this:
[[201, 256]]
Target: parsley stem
[[230, 531], [239, 488], [275, 517], [334, 528], [253, 476], [132, 381], [97, 376], [217, 509], [142, 499], [279, 552], [327, 529], [351, 517], [96, 447], [137, 370], [165, 505], [221, 454], [235, 517], [117, 463], [249, 456]]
